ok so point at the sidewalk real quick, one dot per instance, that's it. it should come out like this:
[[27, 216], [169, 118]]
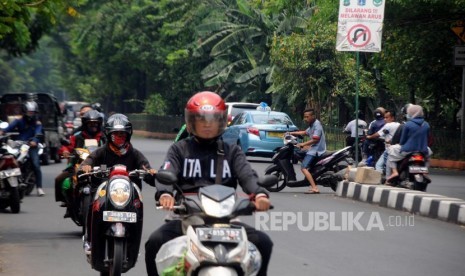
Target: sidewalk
[[416, 202]]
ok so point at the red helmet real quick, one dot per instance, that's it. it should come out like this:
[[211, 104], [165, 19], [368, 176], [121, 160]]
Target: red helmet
[[206, 106]]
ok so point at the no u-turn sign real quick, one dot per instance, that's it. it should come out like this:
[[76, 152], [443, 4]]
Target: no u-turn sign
[[360, 25], [359, 35]]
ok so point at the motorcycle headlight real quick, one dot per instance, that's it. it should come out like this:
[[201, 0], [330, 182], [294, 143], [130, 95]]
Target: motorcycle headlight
[[120, 192], [218, 209], [82, 153]]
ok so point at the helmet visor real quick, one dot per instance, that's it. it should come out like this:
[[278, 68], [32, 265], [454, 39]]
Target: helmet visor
[[205, 124]]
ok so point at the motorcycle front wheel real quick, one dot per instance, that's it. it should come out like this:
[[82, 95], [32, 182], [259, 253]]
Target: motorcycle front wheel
[[116, 265], [281, 184]]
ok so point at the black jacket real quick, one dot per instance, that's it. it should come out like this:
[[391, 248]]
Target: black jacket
[[195, 165], [133, 159]]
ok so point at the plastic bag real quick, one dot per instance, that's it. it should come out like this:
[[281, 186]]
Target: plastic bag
[[170, 259]]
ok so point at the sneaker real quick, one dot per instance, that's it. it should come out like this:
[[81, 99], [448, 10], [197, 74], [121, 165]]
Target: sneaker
[[40, 192]]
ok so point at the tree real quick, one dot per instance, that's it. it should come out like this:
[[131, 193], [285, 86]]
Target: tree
[[24, 22]]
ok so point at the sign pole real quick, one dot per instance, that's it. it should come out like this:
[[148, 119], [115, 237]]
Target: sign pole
[[357, 80], [462, 119]]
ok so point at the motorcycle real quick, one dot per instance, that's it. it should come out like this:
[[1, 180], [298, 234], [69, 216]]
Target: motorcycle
[[326, 170], [115, 218], [212, 245], [79, 197], [20, 150], [412, 172], [9, 174]]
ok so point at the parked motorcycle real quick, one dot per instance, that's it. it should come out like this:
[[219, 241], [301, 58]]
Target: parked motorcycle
[[326, 170], [212, 245], [413, 172], [116, 219], [79, 197], [9, 174]]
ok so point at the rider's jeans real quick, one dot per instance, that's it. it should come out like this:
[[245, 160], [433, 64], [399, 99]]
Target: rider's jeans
[[34, 155]]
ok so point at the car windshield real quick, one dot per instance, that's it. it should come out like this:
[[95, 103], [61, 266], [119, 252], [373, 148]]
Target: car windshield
[[271, 119]]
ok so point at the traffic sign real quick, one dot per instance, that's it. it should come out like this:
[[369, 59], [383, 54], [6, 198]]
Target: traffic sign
[[359, 35], [459, 55], [360, 25], [458, 27]]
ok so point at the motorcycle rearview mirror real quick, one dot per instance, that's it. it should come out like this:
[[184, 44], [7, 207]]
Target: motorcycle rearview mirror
[[267, 180], [166, 177]]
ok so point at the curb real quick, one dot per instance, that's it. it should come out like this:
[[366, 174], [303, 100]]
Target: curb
[[447, 164], [415, 202]]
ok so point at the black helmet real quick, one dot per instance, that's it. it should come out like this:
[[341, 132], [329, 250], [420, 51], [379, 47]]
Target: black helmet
[[118, 122], [403, 110], [92, 116], [379, 113]]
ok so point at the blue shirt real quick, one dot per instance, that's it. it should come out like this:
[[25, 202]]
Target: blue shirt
[[315, 131], [26, 132]]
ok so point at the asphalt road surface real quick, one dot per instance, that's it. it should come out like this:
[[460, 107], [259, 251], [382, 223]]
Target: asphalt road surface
[[312, 234]]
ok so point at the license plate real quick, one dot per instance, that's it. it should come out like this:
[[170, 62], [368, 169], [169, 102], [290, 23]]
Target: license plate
[[275, 134], [232, 235], [417, 169], [13, 181], [114, 216]]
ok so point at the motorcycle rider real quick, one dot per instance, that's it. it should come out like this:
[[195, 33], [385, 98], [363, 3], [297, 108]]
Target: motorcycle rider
[[386, 133], [92, 122], [29, 128], [316, 144], [83, 110], [206, 119], [353, 130], [118, 150], [414, 137], [373, 127]]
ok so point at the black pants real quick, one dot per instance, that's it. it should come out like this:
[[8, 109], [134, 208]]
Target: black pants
[[173, 229]]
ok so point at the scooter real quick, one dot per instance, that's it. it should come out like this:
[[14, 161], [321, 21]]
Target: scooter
[[9, 174], [212, 245], [413, 172], [327, 170], [115, 219]]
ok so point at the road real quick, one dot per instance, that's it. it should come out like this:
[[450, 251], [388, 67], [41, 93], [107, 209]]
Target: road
[[312, 234]]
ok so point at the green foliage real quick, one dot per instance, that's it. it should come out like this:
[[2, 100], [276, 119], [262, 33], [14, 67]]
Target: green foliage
[[155, 105], [23, 22]]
